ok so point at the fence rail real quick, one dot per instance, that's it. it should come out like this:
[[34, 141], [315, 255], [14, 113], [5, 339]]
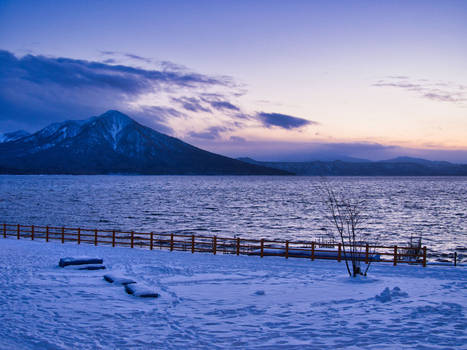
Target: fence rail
[[216, 244]]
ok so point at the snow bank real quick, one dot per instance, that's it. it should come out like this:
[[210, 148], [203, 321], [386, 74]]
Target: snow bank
[[218, 301], [388, 295]]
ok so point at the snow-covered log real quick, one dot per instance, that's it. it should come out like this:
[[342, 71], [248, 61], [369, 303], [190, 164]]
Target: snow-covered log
[[79, 261], [140, 291], [118, 280], [85, 267]]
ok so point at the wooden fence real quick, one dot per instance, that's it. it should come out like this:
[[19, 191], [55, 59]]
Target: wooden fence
[[214, 244]]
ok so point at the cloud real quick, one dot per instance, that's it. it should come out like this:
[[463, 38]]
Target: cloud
[[138, 58], [73, 73], [223, 105], [449, 92], [446, 97], [162, 112], [36, 90], [237, 139], [118, 56], [210, 133], [283, 121], [109, 61], [156, 117], [191, 104], [219, 102], [398, 77], [168, 65]]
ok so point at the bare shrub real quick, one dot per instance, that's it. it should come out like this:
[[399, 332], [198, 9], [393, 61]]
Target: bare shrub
[[348, 216]]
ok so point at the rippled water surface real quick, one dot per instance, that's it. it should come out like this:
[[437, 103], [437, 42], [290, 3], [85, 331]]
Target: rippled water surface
[[255, 207]]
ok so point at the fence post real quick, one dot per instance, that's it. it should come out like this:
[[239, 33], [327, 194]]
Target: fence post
[[63, 234], [455, 258], [132, 239], [151, 241], [262, 247], [286, 249], [17, 231], [424, 256], [192, 244], [366, 253], [312, 251], [339, 248], [214, 245], [47, 233], [32, 233], [113, 238], [395, 255], [95, 236], [4, 230], [79, 235], [238, 245], [171, 242]]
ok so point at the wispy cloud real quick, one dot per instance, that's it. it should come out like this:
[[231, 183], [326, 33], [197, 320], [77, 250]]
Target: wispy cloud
[[191, 104], [117, 56], [432, 90], [211, 133], [283, 121], [223, 105], [138, 58], [237, 139], [219, 102]]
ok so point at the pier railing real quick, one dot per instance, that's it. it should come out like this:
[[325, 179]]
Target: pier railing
[[218, 245]]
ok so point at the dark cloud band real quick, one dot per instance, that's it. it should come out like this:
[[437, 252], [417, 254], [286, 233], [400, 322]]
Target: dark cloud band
[[36, 90], [283, 121]]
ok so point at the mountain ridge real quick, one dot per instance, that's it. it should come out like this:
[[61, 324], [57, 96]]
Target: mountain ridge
[[12, 136], [114, 143], [390, 167]]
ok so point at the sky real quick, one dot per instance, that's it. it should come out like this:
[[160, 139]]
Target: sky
[[271, 80]]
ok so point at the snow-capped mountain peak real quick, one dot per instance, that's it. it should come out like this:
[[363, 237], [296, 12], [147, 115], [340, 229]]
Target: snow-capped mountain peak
[[111, 124]]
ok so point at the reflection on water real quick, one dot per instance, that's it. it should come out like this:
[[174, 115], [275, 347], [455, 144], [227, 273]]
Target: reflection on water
[[255, 207]]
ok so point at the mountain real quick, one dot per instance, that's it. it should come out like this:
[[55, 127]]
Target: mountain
[[114, 143], [403, 167], [312, 157], [416, 161], [347, 159], [13, 136]]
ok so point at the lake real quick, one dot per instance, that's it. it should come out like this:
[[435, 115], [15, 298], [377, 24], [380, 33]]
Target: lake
[[269, 207]]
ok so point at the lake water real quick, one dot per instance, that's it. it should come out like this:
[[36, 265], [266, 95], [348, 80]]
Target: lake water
[[249, 206]]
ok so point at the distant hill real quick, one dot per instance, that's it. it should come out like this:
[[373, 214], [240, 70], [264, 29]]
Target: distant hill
[[113, 143], [416, 161], [314, 157], [402, 166]]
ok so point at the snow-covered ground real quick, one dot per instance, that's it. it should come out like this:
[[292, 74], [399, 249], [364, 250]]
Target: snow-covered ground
[[223, 301]]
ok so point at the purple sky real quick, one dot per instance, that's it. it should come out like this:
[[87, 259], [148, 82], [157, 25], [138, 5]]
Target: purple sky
[[267, 79]]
